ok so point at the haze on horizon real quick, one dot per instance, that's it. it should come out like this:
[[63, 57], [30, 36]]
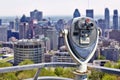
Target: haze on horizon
[[56, 7]]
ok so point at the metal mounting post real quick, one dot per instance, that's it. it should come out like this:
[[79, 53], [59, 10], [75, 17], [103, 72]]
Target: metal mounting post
[[81, 73], [37, 74]]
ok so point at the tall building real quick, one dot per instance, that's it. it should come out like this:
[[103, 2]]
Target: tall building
[[0, 22], [60, 25], [101, 24], [46, 41], [32, 49], [12, 33], [115, 20], [3, 33], [30, 31], [90, 13], [107, 18], [53, 36], [23, 27], [11, 25], [114, 34], [36, 15], [76, 13], [17, 22], [60, 41]]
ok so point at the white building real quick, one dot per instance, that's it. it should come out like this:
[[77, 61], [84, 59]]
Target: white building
[[32, 49], [62, 57], [53, 36], [3, 33]]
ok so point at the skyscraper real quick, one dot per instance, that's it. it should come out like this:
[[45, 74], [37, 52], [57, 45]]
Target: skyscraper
[[0, 22], [76, 13], [17, 22], [11, 25], [3, 33], [52, 35], [107, 18], [60, 25], [36, 15], [90, 13], [115, 20], [23, 27]]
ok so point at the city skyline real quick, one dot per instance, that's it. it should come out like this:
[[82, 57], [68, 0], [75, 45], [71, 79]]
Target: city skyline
[[56, 7]]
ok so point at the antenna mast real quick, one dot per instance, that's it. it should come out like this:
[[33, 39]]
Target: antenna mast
[[88, 4]]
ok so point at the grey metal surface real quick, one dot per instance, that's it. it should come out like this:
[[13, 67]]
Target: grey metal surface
[[106, 70], [50, 78], [55, 64], [32, 66], [37, 74]]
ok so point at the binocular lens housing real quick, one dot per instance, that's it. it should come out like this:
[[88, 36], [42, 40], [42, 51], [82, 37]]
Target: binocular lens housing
[[82, 31]]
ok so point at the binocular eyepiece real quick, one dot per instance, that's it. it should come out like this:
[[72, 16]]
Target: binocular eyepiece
[[82, 38], [83, 31]]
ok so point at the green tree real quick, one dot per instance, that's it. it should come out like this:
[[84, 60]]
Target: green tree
[[96, 75], [108, 64], [47, 72], [9, 75], [26, 62], [109, 77], [68, 72], [101, 57], [6, 64], [59, 71], [0, 45], [26, 73], [117, 65]]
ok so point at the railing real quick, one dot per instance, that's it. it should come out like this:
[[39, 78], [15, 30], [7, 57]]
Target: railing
[[39, 66], [55, 64]]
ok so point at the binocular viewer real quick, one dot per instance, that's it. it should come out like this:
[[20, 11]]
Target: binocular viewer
[[82, 38]]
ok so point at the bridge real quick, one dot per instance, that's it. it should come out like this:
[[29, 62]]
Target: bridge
[[55, 64]]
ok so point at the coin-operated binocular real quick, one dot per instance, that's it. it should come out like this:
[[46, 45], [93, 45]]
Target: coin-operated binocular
[[81, 40]]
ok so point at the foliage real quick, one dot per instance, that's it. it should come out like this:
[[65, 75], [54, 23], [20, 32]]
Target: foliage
[[6, 64], [59, 71], [47, 72], [108, 64], [7, 76], [26, 61], [68, 72], [117, 65], [0, 45], [26, 73], [101, 57], [96, 75], [109, 77]]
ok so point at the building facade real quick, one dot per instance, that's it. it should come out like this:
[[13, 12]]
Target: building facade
[[3, 33], [32, 49], [115, 20], [111, 54], [38, 15], [62, 57], [107, 18], [76, 13], [53, 36], [90, 13], [23, 27]]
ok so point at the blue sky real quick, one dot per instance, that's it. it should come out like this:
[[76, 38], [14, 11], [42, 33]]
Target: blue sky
[[55, 7]]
